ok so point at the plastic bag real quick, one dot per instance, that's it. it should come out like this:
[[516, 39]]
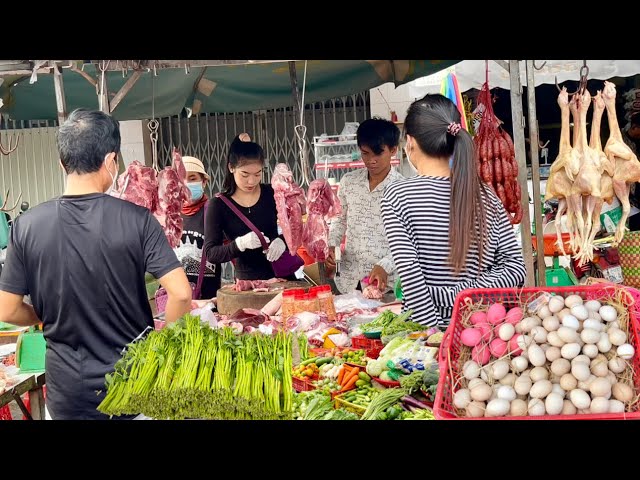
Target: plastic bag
[[4, 230]]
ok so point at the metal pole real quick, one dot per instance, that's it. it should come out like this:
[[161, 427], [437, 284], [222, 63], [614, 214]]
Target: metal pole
[[535, 171], [521, 157], [61, 102]]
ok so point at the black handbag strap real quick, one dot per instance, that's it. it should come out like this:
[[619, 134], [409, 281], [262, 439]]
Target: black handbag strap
[[246, 221]]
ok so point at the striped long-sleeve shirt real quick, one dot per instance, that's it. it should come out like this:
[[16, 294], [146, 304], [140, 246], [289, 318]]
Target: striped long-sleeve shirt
[[416, 215]]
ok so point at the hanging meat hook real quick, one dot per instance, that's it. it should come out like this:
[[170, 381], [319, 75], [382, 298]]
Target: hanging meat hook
[[541, 66], [6, 199], [11, 147]]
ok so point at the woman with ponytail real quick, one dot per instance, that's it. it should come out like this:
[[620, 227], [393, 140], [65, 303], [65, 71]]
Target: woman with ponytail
[[447, 230]]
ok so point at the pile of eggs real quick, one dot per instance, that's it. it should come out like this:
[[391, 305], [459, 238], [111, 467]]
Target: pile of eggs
[[558, 360]]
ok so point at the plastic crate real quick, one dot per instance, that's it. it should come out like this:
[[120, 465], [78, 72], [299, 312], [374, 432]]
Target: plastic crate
[[300, 385], [340, 402], [451, 346], [371, 346]]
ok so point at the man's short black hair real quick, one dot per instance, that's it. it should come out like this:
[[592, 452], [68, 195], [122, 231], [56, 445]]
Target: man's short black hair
[[376, 132], [85, 138], [635, 120]]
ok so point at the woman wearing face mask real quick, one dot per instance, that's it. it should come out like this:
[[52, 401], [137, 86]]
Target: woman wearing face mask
[[193, 230], [447, 230], [244, 188]]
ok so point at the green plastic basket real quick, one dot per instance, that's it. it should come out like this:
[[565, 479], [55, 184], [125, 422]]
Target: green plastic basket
[[30, 351]]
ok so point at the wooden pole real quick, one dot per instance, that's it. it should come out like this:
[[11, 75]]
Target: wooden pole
[[535, 171], [521, 157], [61, 102], [131, 81]]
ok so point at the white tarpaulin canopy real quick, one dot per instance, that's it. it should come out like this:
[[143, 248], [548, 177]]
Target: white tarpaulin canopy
[[471, 74]]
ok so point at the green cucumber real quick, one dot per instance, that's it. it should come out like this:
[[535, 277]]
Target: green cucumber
[[323, 360]]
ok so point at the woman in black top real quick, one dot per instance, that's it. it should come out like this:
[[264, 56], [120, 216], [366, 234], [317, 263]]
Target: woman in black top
[[255, 200]]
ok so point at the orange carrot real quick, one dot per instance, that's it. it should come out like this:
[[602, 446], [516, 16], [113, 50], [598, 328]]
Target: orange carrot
[[352, 374], [352, 380], [341, 375]]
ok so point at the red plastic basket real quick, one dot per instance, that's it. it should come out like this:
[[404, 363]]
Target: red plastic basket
[[300, 385], [449, 364], [386, 383], [371, 346]]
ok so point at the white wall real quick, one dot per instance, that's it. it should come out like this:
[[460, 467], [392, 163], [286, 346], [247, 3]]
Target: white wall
[[136, 142]]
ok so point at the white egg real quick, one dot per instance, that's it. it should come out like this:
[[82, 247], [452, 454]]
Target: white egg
[[536, 356], [518, 408], [571, 322], [567, 335], [499, 369], [625, 351], [553, 404], [617, 365], [560, 366], [552, 353], [475, 381], [522, 385], [554, 339], [507, 392], [475, 409], [556, 303], [590, 336], [580, 398], [594, 316], [498, 407], [590, 350], [622, 391], [593, 305], [481, 392], [539, 373], [593, 325], [539, 334], [519, 363], [506, 331], [616, 336], [536, 407], [604, 344], [568, 408], [580, 312], [616, 406], [608, 313], [540, 389], [524, 341], [551, 323], [471, 370], [612, 378], [580, 371], [570, 350], [563, 313], [462, 398], [599, 405], [528, 323], [581, 358], [573, 300], [508, 379], [557, 388], [599, 367], [544, 312], [600, 387]]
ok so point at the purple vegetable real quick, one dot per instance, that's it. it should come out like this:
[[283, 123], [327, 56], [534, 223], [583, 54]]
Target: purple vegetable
[[412, 402]]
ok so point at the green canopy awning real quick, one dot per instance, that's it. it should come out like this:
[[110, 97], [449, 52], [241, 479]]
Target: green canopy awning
[[224, 88]]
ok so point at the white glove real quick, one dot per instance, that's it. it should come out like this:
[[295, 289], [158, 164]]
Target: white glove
[[276, 249], [249, 241]]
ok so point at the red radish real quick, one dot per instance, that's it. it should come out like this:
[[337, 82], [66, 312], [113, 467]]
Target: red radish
[[496, 313], [498, 347], [487, 333], [471, 336], [514, 315], [513, 345], [478, 317], [481, 354]]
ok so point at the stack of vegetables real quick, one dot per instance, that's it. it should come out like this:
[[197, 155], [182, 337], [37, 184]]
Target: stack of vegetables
[[189, 370]]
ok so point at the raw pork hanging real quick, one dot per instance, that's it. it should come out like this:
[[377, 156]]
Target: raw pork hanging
[[290, 205], [138, 185], [172, 193], [322, 203], [496, 159], [163, 194]]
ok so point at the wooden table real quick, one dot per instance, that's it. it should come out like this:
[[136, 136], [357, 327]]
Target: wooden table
[[33, 384]]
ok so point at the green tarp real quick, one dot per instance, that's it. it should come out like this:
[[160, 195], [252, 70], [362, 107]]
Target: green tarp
[[231, 88]]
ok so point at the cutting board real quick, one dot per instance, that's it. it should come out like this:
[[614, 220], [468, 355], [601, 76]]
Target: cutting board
[[230, 301]]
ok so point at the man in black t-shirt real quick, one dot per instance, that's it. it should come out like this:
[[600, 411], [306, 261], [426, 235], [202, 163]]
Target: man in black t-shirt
[[82, 258]]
